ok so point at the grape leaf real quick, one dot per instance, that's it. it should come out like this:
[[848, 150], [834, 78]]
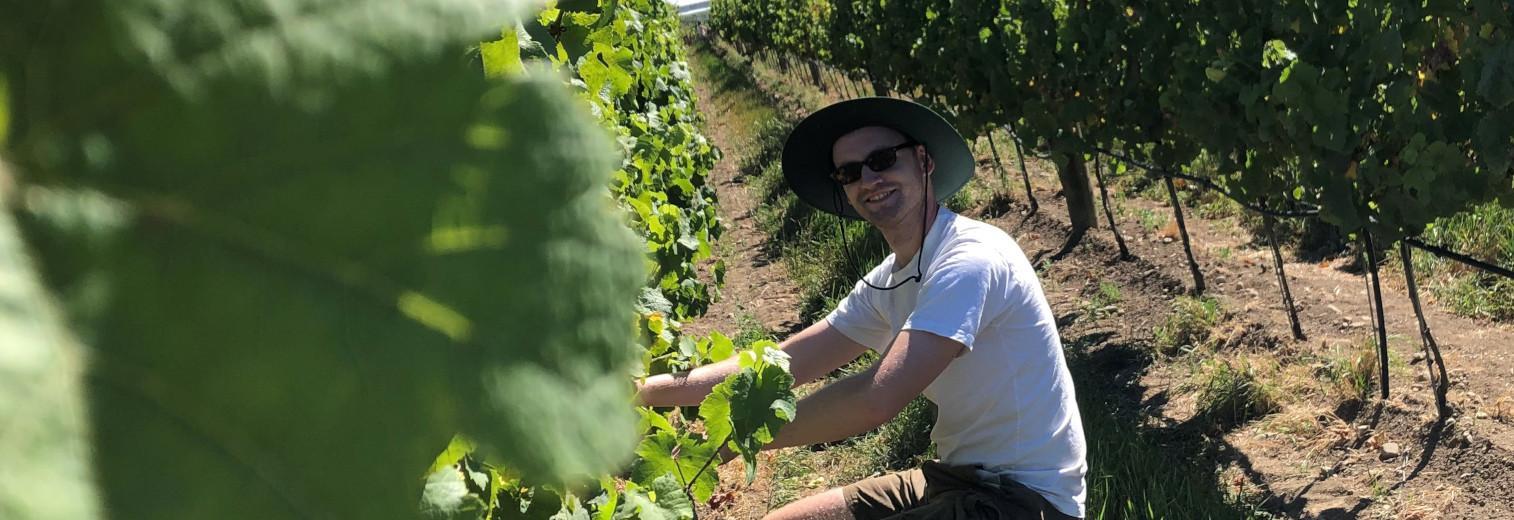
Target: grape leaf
[[750, 406], [446, 495], [1491, 140], [720, 347], [683, 457], [1496, 84], [46, 473], [662, 500], [308, 242], [502, 57]]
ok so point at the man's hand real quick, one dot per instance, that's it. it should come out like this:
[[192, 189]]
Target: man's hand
[[866, 400], [813, 352]]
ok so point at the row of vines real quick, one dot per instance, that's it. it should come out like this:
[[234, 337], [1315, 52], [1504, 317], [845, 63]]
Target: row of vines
[[624, 59], [1377, 117], [1386, 114], [264, 258]]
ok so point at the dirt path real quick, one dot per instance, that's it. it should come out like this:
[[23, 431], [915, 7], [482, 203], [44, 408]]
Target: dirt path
[[1338, 468], [757, 286]]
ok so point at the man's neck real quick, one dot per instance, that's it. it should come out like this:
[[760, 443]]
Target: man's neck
[[906, 238]]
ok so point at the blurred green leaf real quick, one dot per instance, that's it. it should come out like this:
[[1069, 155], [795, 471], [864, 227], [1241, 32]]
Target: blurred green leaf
[[44, 444], [295, 236]]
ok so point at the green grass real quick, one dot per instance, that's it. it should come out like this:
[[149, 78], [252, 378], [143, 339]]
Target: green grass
[[749, 331], [1231, 392], [900, 444], [1188, 327], [1350, 372], [1151, 221], [1487, 233], [1135, 472], [1103, 301]]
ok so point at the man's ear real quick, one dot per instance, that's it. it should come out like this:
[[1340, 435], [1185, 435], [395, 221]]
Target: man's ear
[[924, 161]]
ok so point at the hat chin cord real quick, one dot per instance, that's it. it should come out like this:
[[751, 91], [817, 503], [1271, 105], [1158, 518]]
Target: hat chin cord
[[847, 248]]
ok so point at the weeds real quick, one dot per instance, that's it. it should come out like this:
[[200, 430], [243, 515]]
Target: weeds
[[1485, 232], [1188, 327], [1232, 392], [1351, 372], [1104, 301], [1134, 474], [903, 442], [749, 330], [1150, 220]]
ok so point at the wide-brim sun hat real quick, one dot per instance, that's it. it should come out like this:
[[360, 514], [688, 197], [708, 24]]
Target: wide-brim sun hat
[[807, 161]]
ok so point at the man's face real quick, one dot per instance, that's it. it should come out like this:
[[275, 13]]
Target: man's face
[[891, 197]]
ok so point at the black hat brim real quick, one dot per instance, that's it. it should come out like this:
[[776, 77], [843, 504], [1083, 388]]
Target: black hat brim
[[807, 152]]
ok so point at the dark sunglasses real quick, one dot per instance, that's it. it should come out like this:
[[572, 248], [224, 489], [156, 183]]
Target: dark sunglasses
[[879, 160]]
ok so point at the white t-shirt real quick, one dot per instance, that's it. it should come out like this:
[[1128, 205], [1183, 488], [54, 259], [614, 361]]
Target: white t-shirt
[[1007, 401]]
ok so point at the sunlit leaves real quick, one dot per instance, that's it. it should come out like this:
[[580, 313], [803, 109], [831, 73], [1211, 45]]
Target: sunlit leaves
[[749, 407], [680, 455], [1338, 84], [47, 472], [275, 329]]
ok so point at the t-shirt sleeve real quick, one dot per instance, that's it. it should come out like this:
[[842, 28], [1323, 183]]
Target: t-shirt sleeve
[[857, 318], [954, 299]]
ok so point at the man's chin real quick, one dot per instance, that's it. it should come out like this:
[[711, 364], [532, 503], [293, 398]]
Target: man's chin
[[884, 219]]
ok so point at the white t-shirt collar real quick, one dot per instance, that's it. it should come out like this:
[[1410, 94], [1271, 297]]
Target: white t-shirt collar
[[929, 247]]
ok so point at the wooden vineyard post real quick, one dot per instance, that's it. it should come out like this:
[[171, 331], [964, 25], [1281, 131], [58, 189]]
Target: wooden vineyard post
[[879, 88], [1098, 173], [1377, 308], [1282, 278], [1177, 211], [1003, 172], [1432, 350], [1020, 156]]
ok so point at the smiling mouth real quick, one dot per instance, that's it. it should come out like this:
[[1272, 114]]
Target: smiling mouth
[[880, 195]]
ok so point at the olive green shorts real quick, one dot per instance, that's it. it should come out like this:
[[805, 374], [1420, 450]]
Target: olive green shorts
[[935, 490]]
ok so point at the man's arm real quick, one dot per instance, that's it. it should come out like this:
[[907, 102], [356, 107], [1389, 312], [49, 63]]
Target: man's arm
[[813, 352], [866, 400]]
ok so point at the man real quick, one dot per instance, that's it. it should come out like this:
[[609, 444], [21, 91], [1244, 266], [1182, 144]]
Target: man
[[956, 313]]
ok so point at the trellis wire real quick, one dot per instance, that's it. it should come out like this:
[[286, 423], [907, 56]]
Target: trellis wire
[[1441, 383], [1459, 257], [1308, 210]]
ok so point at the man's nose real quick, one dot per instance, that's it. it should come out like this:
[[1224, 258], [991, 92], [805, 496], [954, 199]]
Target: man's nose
[[869, 175]]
